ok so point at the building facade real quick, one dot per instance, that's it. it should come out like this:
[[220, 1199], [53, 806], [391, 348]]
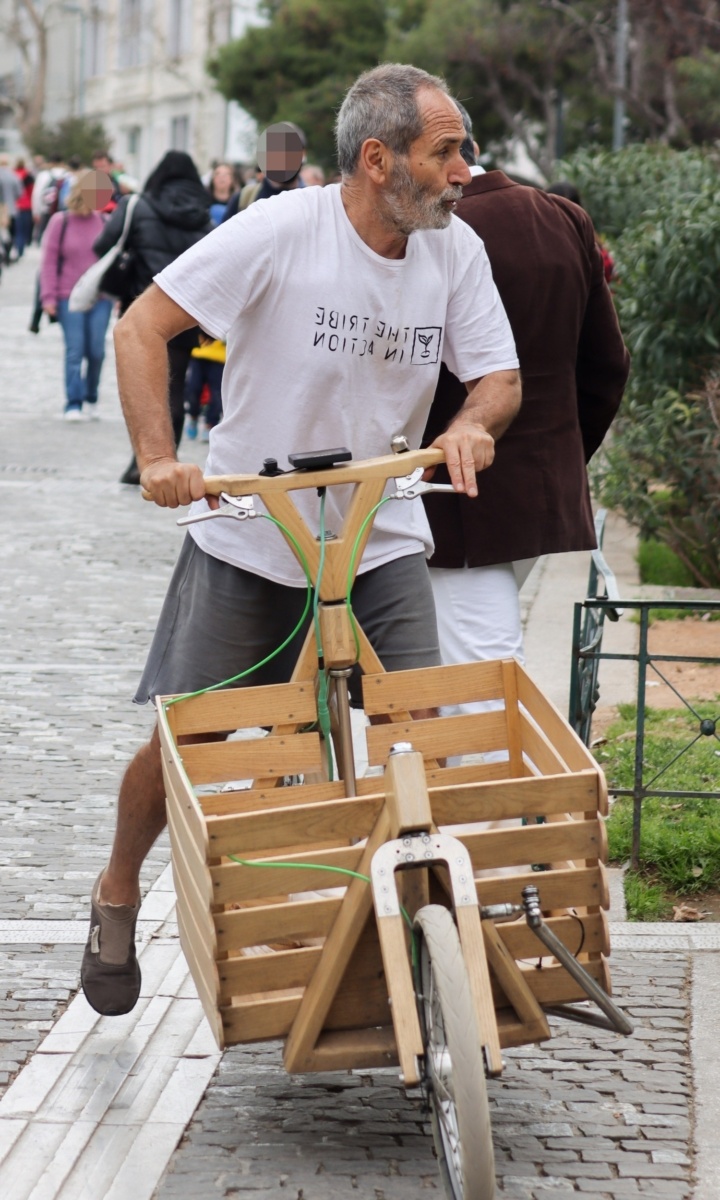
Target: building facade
[[139, 68]]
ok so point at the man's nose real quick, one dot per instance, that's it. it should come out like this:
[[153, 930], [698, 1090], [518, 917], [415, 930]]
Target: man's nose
[[459, 171]]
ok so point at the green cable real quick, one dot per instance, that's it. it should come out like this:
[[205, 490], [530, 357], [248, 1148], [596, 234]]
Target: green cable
[[274, 653], [351, 570], [245, 862]]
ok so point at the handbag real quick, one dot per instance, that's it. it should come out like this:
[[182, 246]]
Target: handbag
[[92, 282]]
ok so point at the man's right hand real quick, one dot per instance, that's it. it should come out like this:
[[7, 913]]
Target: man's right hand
[[171, 484]]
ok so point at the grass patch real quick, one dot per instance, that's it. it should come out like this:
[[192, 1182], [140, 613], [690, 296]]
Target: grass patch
[[659, 564], [680, 838]]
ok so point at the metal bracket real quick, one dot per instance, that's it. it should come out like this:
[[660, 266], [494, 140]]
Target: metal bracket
[[421, 850]]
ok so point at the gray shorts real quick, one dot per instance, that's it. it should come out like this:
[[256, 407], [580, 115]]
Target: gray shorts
[[218, 620]]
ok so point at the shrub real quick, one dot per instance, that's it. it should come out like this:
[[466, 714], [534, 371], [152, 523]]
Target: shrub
[[661, 467]]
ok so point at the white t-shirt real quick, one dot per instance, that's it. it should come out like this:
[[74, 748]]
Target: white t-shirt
[[329, 344]]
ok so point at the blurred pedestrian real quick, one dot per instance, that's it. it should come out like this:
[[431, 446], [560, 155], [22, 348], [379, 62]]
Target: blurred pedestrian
[[312, 175], [221, 187], [23, 209], [67, 252], [10, 192], [204, 373], [172, 214]]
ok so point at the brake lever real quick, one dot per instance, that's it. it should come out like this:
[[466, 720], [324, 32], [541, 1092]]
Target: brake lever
[[409, 487], [239, 508]]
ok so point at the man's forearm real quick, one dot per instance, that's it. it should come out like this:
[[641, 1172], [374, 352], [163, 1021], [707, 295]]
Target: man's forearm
[[493, 402], [142, 371]]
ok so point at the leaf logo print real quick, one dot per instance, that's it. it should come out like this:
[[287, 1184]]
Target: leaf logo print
[[426, 345]]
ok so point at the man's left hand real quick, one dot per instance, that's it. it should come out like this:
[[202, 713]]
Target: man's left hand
[[468, 448]]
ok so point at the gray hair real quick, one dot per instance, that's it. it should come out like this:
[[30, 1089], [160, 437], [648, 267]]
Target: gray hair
[[467, 150], [382, 104]]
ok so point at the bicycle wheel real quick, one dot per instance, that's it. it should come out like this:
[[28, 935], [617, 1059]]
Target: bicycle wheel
[[455, 1065]]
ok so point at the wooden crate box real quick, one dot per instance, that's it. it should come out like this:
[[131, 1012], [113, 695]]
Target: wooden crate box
[[288, 953]]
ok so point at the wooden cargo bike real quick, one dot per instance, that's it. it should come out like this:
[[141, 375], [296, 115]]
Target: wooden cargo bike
[[425, 915]]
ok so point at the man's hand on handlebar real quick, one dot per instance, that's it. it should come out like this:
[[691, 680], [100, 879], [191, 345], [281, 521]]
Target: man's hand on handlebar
[[468, 448], [171, 484]]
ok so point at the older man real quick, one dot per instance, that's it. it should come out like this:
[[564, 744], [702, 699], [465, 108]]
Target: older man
[[337, 305]]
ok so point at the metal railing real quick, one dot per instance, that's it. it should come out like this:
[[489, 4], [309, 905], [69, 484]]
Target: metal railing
[[603, 601]]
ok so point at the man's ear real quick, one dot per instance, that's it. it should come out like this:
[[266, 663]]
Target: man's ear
[[375, 159]]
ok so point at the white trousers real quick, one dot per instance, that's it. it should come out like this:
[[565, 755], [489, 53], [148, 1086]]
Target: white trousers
[[478, 611]]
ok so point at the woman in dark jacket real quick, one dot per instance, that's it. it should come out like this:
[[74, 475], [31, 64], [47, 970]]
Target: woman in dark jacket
[[172, 214]]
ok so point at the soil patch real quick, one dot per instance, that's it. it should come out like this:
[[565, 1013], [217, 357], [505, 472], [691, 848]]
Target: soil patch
[[694, 638]]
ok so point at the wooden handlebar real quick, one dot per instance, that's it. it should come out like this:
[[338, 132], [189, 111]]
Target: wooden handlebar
[[385, 467]]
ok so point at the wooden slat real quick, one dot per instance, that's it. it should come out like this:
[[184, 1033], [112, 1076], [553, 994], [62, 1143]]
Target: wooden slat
[[563, 737], [337, 953], [405, 1018], [553, 985], [432, 687], [290, 754], [275, 922], [187, 861], [332, 821], [539, 748], [277, 970], [354, 1050], [233, 883], [241, 708], [361, 998], [438, 737], [507, 799], [477, 772], [578, 886], [252, 799], [201, 964], [535, 844], [522, 943], [512, 717], [180, 796], [473, 947], [510, 978], [259, 1020], [512, 1032]]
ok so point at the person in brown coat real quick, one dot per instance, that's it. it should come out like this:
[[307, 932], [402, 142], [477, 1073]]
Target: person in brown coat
[[534, 499]]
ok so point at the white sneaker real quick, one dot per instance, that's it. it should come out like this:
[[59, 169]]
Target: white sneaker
[[90, 413], [73, 414]]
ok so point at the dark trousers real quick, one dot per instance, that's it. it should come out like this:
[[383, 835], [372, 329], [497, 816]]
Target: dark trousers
[[200, 372]]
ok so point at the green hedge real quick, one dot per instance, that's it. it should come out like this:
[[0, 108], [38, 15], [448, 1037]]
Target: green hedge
[[660, 209]]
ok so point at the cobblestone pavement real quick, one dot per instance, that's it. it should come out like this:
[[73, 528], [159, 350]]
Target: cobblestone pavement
[[592, 1114], [85, 566]]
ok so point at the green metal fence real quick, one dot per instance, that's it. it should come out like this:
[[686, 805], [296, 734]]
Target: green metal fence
[[603, 603]]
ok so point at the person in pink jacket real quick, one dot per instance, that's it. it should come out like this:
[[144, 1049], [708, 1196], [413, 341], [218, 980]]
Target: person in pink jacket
[[67, 252]]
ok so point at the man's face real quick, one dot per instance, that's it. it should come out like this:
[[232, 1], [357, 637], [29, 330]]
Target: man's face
[[425, 186], [102, 163]]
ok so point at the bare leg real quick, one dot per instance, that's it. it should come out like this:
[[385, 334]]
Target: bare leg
[[140, 821]]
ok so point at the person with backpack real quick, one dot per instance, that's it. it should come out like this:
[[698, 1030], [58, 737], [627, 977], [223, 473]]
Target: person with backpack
[[172, 214]]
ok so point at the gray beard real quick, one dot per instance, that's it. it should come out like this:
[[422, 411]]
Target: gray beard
[[410, 207]]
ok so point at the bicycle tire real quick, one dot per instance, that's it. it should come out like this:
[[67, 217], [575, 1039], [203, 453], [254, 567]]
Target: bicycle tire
[[457, 1090]]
